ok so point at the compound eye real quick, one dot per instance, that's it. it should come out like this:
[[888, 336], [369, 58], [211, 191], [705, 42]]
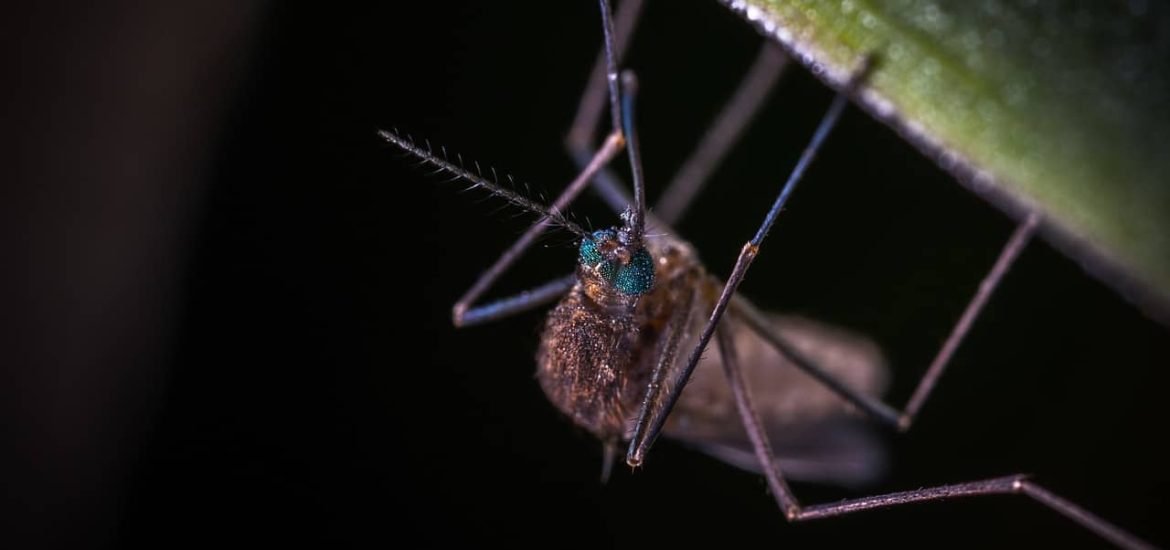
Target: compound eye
[[631, 278], [636, 277], [590, 253]]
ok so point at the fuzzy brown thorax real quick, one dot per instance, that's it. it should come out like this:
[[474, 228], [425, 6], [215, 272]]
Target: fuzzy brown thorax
[[600, 345]]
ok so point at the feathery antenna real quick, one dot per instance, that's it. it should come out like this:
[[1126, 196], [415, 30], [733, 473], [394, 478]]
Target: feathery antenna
[[476, 178]]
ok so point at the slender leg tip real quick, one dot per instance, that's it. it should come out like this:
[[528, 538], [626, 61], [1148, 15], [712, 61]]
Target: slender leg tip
[[634, 461], [904, 423]]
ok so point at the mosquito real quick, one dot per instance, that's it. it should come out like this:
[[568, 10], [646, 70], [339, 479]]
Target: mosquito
[[623, 351]]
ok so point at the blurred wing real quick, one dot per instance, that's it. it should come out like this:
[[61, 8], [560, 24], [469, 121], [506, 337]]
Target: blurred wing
[[845, 453], [815, 434]]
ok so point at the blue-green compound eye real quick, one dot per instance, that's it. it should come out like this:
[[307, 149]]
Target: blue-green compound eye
[[632, 279], [589, 254], [637, 277]]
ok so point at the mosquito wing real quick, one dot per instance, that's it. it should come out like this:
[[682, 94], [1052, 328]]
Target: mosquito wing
[[815, 434]]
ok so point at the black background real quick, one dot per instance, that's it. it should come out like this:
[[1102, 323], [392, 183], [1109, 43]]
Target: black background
[[310, 399]]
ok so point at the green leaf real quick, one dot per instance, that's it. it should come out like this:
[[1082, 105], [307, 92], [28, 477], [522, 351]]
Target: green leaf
[[1058, 106]]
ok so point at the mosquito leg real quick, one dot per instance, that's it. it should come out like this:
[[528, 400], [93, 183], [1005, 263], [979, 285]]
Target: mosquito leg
[[594, 98], [579, 141], [794, 511], [621, 109], [608, 186], [724, 133], [622, 112], [652, 403], [643, 438], [987, 286], [462, 313], [1016, 484], [752, 424], [518, 303], [869, 404], [636, 213]]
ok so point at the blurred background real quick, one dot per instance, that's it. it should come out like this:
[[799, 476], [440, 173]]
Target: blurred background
[[204, 342]]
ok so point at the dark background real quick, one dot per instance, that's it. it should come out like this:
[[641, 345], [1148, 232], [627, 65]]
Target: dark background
[[303, 397]]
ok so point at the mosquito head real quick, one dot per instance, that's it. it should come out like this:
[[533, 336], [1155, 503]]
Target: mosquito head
[[626, 268]]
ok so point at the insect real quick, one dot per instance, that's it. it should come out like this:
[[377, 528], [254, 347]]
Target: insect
[[765, 248]]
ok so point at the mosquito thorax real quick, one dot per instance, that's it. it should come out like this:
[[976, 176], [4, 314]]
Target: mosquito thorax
[[613, 270]]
